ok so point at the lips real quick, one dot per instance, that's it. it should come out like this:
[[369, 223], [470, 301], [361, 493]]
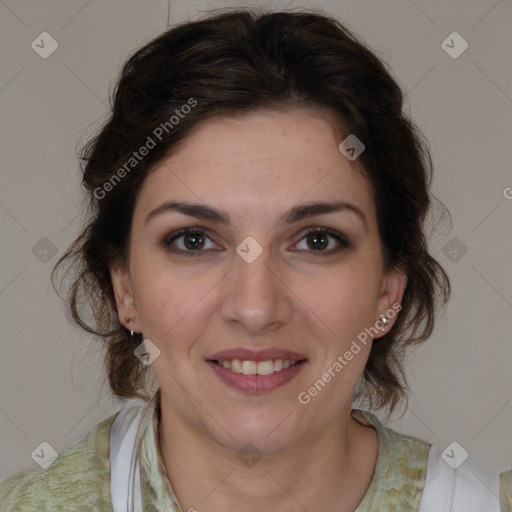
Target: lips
[[256, 371]]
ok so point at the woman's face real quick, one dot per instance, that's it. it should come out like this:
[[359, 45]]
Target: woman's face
[[252, 289]]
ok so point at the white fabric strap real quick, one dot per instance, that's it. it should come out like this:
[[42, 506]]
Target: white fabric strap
[[439, 484], [445, 490], [462, 490], [122, 444]]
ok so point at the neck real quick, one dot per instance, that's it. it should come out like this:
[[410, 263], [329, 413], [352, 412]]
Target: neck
[[330, 470]]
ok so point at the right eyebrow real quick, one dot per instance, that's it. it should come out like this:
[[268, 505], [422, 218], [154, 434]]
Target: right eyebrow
[[197, 210]]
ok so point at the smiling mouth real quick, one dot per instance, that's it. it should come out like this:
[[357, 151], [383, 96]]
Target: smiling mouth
[[248, 367]]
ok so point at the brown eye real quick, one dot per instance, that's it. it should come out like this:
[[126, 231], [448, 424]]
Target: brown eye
[[193, 240], [189, 242], [317, 240]]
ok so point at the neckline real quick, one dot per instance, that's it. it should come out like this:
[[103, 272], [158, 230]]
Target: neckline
[[363, 417]]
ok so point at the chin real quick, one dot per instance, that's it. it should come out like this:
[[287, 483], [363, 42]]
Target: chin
[[266, 432]]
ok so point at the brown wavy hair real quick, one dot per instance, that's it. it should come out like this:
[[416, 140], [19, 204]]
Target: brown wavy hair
[[236, 62]]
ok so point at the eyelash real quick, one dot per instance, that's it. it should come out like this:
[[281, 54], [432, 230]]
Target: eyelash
[[342, 240]]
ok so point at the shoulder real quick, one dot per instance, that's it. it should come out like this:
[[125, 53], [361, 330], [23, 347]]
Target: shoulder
[[77, 480], [394, 445], [400, 470], [412, 474]]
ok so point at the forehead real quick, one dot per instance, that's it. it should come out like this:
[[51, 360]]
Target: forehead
[[264, 161]]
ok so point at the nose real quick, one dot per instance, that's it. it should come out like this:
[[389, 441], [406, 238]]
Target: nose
[[257, 299]]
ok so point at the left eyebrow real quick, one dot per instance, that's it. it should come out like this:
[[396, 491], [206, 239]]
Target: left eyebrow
[[295, 214], [303, 211]]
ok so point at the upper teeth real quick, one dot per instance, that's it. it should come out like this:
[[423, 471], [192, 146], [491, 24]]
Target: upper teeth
[[257, 368]]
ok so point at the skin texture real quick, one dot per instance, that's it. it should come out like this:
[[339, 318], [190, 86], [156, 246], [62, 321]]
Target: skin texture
[[256, 167]]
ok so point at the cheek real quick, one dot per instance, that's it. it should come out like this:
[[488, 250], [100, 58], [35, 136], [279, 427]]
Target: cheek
[[342, 303], [171, 304]]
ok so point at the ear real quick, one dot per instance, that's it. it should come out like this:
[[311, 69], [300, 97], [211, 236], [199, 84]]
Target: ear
[[390, 298], [123, 292]]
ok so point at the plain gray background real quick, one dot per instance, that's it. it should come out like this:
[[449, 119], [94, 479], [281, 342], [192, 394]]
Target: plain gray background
[[51, 372]]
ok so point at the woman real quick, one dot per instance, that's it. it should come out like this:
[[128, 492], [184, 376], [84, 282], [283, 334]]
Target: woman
[[257, 203]]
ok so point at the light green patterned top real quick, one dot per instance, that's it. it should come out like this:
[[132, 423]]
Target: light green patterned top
[[79, 479]]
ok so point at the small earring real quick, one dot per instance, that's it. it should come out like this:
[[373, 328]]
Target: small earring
[[128, 320], [384, 320]]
